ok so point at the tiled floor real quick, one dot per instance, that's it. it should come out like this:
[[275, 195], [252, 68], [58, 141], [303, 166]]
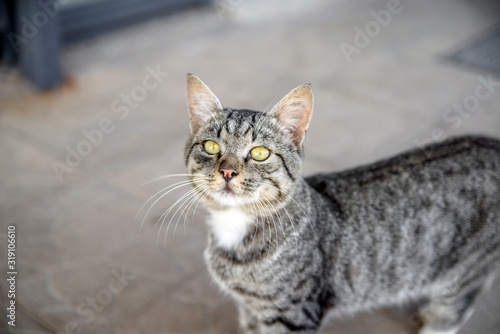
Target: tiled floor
[[85, 266]]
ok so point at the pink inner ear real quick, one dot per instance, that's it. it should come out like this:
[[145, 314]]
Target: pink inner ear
[[202, 102], [294, 112]]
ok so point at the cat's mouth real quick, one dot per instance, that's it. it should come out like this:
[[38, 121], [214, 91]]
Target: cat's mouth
[[228, 192]]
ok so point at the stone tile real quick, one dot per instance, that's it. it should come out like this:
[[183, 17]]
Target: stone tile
[[47, 308], [90, 298], [200, 288], [82, 217], [108, 299], [376, 322], [163, 316], [26, 325], [27, 175], [223, 319], [169, 263]]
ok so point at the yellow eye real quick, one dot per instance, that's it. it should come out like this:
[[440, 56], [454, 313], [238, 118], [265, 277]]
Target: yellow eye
[[259, 153], [212, 147]]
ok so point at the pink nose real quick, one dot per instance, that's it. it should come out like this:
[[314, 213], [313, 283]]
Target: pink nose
[[228, 173]]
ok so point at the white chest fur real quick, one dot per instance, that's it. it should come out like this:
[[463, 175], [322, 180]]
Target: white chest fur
[[229, 226]]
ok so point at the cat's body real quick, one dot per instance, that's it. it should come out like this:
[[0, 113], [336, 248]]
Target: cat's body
[[385, 233], [422, 225]]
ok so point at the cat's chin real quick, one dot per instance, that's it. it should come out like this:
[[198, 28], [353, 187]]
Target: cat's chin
[[228, 198]]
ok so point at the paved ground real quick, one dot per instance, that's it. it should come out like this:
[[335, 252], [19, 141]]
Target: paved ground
[[84, 266]]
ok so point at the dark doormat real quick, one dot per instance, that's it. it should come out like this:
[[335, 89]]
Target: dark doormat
[[482, 52]]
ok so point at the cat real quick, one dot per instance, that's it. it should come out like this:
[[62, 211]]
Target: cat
[[424, 225]]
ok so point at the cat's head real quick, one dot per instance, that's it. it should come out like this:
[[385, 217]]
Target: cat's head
[[244, 158]]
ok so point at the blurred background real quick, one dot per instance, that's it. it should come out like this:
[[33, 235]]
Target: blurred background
[[92, 106]]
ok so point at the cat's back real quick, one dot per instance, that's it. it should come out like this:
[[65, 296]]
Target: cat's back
[[472, 158], [442, 186]]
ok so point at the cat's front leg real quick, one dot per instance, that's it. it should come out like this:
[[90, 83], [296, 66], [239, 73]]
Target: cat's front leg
[[251, 323]]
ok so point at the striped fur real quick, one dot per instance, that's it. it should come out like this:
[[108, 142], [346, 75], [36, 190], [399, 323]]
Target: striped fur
[[422, 225]]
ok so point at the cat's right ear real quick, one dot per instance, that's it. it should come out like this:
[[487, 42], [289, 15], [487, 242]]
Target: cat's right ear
[[202, 103], [294, 112]]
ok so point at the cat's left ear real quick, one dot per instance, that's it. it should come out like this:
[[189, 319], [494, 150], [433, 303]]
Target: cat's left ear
[[294, 112], [202, 102]]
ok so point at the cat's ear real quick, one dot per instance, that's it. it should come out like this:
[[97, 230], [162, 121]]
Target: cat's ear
[[294, 112], [202, 103]]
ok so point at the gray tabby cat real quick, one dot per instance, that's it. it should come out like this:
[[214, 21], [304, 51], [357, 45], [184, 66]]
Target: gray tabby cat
[[422, 225]]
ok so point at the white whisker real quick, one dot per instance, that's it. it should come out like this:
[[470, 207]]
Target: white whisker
[[272, 215], [169, 176], [164, 189], [290, 219], [175, 186], [165, 214], [186, 204], [252, 204], [289, 196], [305, 214], [199, 202], [195, 199]]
